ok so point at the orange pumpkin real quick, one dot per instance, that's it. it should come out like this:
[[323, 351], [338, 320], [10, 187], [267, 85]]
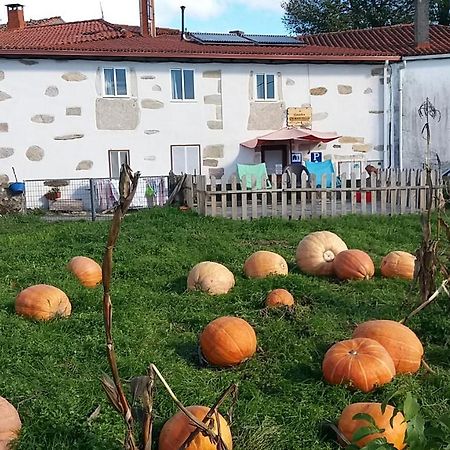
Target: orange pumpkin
[[178, 428], [210, 277], [279, 297], [394, 434], [88, 272], [353, 265], [10, 424], [262, 264], [316, 252], [402, 344], [227, 341], [398, 264], [361, 363], [42, 302]]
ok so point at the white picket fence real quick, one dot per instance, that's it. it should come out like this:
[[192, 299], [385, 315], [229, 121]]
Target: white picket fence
[[389, 192]]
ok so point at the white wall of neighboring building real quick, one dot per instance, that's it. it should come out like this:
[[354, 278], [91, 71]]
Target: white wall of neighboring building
[[346, 98]]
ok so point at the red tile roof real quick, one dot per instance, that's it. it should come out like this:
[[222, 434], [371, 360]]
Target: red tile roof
[[98, 38], [396, 39], [36, 22]]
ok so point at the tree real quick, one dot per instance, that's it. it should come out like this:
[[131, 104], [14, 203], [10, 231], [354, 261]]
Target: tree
[[316, 16]]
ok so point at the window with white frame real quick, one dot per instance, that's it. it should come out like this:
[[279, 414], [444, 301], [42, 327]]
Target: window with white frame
[[265, 86], [182, 84], [185, 159], [116, 159], [115, 82]]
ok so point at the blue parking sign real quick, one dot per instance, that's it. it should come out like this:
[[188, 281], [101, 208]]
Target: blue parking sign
[[316, 157]]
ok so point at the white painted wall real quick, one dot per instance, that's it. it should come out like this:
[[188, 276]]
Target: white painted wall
[[355, 115]]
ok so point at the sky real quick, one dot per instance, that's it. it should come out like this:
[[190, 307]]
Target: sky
[[220, 16]]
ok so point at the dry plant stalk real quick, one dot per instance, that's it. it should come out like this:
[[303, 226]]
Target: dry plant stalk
[[143, 387]]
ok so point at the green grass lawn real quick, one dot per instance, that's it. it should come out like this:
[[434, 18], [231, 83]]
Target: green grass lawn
[[51, 371]]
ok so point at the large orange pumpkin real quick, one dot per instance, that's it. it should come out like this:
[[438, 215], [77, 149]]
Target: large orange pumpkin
[[279, 297], [177, 429], [316, 252], [398, 264], [10, 423], [403, 345], [42, 302], [210, 277], [360, 363], [88, 271], [262, 264], [227, 341], [353, 265], [394, 434]]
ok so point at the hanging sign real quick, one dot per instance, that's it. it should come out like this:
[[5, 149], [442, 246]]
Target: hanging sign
[[315, 157], [299, 117]]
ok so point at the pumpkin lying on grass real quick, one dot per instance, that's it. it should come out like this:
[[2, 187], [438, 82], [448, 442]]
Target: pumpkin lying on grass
[[394, 431], [210, 277], [398, 264], [316, 252], [353, 265], [88, 271], [178, 428], [262, 264], [278, 298], [227, 341], [42, 302], [10, 423]]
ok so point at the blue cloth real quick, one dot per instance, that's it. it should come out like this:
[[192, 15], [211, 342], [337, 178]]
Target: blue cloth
[[322, 168], [253, 170]]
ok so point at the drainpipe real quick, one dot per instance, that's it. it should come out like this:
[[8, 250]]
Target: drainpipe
[[400, 114], [386, 116]]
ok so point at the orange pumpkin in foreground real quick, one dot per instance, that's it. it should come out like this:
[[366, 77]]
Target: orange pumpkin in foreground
[[42, 302], [262, 264], [88, 271], [398, 264], [10, 423], [316, 252], [279, 297], [402, 344], [360, 363], [227, 341], [353, 265], [394, 434], [177, 429], [210, 277]]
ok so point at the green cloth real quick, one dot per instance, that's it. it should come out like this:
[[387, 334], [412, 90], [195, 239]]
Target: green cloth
[[253, 170]]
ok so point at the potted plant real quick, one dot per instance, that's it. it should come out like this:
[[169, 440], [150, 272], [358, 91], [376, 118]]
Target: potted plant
[[53, 193]]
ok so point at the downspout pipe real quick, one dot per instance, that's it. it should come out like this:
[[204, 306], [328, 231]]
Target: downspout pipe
[[386, 116], [400, 113]]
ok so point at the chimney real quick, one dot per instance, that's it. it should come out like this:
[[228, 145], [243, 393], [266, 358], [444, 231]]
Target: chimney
[[147, 14], [182, 21], [16, 19], [422, 24]]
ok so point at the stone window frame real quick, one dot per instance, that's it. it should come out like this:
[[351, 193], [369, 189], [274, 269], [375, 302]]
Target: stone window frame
[[127, 82], [117, 152], [275, 88], [183, 92]]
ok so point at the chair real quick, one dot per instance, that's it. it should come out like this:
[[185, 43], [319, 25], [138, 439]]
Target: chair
[[297, 169], [322, 168], [253, 170]]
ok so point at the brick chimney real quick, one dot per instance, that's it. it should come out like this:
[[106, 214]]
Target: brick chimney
[[147, 15], [16, 19], [422, 24]]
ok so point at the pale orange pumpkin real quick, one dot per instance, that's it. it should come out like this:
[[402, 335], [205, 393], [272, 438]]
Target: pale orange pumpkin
[[210, 277], [42, 302], [10, 424], [262, 264], [316, 252], [279, 297], [88, 271], [178, 428], [394, 434], [398, 264], [402, 344], [353, 265], [361, 363], [227, 341]]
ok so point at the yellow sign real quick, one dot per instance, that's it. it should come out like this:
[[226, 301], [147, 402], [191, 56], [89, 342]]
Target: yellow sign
[[299, 117]]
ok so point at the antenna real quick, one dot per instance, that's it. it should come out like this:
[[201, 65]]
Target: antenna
[[101, 10]]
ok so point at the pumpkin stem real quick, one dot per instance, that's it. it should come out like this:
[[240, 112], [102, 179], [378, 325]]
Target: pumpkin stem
[[353, 352], [328, 256]]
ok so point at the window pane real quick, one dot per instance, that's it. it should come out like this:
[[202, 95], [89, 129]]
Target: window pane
[[121, 82], [123, 158], [176, 84], [114, 164], [270, 79], [178, 159], [188, 78], [109, 81], [192, 160], [260, 86]]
